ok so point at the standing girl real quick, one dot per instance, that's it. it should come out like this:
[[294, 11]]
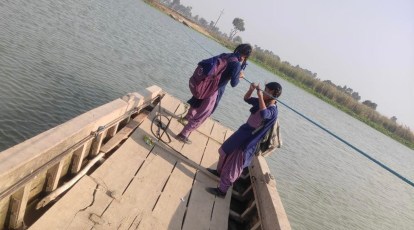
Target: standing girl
[[238, 150], [201, 109]]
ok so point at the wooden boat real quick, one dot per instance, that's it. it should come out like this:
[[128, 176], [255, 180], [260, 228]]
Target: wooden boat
[[106, 169]]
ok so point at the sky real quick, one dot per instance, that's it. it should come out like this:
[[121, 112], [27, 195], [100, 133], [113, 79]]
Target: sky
[[367, 45]]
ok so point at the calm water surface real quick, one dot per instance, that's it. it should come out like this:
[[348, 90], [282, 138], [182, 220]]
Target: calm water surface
[[60, 59]]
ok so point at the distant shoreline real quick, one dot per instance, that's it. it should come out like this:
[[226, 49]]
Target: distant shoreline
[[180, 18]]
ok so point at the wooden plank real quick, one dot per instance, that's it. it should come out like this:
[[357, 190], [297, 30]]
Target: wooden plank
[[53, 176], [18, 204], [173, 129], [123, 212], [201, 204], [218, 132], [206, 127], [97, 143], [112, 131], [38, 184], [124, 132], [4, 207], [143, 191], [169, 105], [56, 193], [118, 170], [171, 206], [113, 177], [211, 155], [229, 132], [220, 215], [183, 159], [78, 156], [202, 211], [67, 160], [77, 202], [116, 173], [148, 221], [270, 207], [172, 203]]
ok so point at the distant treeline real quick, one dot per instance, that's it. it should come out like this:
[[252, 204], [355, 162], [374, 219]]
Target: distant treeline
[[342, 97]]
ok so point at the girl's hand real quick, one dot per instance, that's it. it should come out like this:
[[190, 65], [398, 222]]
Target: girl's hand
[[253, 86], [241, 74]]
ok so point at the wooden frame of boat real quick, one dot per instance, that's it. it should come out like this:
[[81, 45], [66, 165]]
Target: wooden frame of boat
[[48, 171]]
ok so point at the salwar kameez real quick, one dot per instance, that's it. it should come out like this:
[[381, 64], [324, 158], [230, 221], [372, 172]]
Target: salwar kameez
[[196, 116], [201, 109], [237, 151]]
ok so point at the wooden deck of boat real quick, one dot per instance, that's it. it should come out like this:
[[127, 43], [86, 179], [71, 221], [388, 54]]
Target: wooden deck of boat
[[140, 187]]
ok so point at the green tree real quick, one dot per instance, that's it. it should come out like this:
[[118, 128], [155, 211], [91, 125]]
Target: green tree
[[356, 96], [370, 104], [175, 3], [238, 24], [237, 39], [203, 22]]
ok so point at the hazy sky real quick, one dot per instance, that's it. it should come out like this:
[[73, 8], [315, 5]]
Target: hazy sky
[[367, 45]]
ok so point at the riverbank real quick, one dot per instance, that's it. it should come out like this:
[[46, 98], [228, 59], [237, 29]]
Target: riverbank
[[180, 18]]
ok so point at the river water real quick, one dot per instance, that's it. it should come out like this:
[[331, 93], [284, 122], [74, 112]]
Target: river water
[[59, 59]]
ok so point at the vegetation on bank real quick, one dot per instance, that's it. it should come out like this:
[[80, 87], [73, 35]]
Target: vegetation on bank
[[343, 98]]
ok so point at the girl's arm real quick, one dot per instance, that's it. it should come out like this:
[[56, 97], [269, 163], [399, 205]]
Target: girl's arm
[[233, 71], [250, 91], [262, 104]]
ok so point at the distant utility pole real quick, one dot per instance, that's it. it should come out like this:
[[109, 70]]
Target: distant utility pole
[[222, 11]]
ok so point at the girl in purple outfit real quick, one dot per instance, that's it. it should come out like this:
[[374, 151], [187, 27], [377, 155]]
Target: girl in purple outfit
[[238, 150], [201, 109]]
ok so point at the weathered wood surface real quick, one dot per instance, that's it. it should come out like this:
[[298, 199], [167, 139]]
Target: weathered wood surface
[[220, 215], [124, 133], [19, 163], [202, 212], [270, 207], [140, 187], [44, 159]]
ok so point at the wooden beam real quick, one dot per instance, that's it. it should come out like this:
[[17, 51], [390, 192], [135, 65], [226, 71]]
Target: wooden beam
[[256, 226], [18, 204], [78, 156], [113, 129], [269, 205], [185, 160], [97, 143], [69, 184], [53, 176], [248, 210], [241, 196], [125, 132]]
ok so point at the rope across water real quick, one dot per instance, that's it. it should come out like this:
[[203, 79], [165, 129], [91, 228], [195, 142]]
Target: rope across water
[[328, 131], [342, 140]]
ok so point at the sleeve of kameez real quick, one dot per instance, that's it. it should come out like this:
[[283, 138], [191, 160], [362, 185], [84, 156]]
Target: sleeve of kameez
[[233, 71], [251, 101], [268, 113]]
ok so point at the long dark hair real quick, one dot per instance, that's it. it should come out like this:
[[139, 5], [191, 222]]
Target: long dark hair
[[244, 50]]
